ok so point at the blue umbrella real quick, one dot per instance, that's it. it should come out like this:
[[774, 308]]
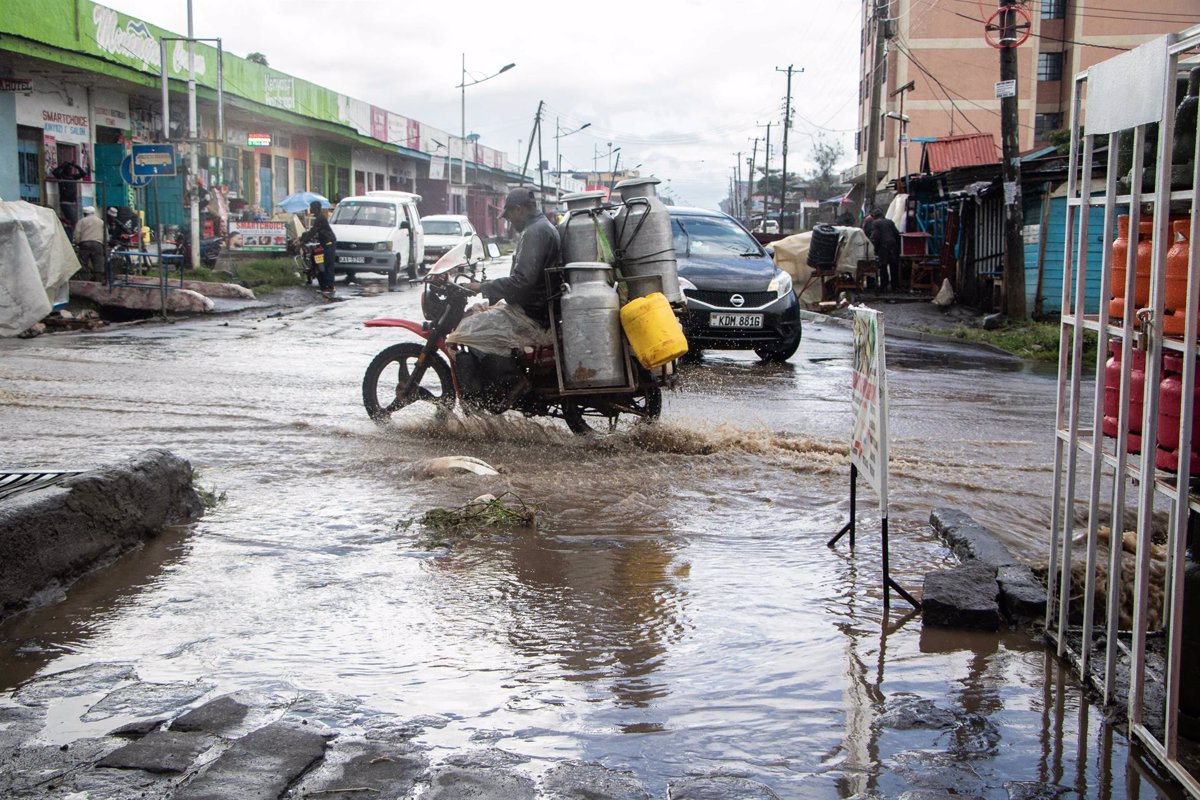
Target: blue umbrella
[[300, 201]]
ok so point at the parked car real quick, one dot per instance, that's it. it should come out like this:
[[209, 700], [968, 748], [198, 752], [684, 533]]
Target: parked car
[[379, 232], [737, 299], [443, 232]]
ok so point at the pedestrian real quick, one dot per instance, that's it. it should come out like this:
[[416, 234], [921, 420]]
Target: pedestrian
[[323, 233], [885, 237], [89, 242]]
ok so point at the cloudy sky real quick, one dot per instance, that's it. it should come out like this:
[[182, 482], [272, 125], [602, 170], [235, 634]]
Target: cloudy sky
[[680, 86]]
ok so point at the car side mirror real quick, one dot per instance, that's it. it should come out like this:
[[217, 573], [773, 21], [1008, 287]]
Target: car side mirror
[[492, 250], [404, 225], [470, 248]]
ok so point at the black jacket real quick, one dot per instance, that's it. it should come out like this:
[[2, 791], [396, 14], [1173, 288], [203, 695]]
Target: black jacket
[[537, 250], [321, 231]]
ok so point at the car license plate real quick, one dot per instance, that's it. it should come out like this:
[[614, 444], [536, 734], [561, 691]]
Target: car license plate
[[735, 320], [352, 259]]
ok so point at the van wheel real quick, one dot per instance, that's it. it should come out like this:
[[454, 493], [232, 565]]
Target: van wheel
[[393, 277], [412, 270]]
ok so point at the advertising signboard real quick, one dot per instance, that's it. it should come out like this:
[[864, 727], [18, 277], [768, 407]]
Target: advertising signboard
[[258, 236], [869, 437]]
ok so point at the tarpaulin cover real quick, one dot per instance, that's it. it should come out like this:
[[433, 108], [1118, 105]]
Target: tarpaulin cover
[[499, 330], [791, 256], [36, 262]]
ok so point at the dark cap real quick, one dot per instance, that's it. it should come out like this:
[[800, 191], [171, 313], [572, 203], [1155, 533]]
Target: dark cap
[[521, 196]]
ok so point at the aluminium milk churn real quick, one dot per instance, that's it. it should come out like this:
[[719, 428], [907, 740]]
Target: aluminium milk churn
[[588, 232], [592, 351], [644, 244]]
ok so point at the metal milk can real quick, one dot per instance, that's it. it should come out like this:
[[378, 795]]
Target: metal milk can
[[644, 244], [585, 226], [592, 351]]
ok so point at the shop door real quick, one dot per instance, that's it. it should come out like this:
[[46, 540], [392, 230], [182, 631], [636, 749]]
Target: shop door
[[27, 167], [264, 183], [110, 189]]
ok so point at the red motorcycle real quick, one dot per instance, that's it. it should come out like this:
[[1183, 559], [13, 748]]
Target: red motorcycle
[[407, 373]]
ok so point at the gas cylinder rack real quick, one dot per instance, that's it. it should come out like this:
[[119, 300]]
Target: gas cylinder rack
[[1131, 105]]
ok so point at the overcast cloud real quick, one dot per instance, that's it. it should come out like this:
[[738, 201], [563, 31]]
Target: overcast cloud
[[679, 86]]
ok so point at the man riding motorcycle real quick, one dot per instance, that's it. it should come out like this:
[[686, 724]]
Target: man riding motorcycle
[[488, 370]]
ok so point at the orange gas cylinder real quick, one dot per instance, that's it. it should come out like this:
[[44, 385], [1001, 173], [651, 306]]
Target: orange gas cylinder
[[1112, 395], [1170, 398], [1175, 317], [1141, 288], [1120, 252]]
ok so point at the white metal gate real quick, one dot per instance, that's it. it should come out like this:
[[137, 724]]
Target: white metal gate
[[1095, 475]]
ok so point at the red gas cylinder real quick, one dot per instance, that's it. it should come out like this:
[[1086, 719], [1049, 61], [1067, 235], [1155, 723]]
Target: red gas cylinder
[[1175, 317], [1112, 395], [1170, 398], [1141, 288]]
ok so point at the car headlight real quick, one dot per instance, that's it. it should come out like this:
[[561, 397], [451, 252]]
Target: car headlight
[[385, 246], [781, 284], [684, 283]]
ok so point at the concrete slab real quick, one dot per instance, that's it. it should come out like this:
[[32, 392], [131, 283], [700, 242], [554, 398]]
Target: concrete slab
[[259, 766], [160, 752], [478, 783], [214, 716], [142, 298]]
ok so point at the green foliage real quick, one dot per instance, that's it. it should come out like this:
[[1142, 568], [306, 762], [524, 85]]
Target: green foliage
[[211, 498], [1037, 341], [258, 58], [262, 275], [445, 526]]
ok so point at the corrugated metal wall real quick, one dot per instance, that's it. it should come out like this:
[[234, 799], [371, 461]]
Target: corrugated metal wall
[[1052, 277]]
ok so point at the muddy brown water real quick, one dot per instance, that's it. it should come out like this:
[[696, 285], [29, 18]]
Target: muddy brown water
[[676, 611]]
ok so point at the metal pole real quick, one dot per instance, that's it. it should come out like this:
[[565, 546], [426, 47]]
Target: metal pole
[[557, 165], [767, 196], [787, 123], [166, 99], [750, 191], [221, 112], [193, 134], [1014, 245], [463, 120]]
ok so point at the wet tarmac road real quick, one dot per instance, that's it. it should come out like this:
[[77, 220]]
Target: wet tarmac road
[[676, 611]]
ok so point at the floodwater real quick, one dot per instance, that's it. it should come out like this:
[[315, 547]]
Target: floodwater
[[676, 611]]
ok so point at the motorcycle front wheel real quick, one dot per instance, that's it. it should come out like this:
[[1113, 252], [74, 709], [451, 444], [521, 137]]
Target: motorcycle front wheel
[[389, 372], [603, 416]]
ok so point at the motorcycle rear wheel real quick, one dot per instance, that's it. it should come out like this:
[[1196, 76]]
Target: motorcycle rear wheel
[[388, 374], [604, 416]]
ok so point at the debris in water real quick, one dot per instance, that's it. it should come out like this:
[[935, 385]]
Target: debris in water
[[449, 465], [485, 513]]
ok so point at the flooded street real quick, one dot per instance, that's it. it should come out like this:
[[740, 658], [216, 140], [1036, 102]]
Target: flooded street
[[676, 612]]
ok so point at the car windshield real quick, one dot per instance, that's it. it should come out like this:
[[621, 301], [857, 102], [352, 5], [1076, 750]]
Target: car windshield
[[380, 215], [442, 227], [711, 236]]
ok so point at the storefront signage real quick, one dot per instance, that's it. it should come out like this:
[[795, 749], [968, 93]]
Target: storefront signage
[[258, 140], [16, 85], [133, 41], [153, 159], [280, 92], [110, 109], [258, 236], [63, 125]]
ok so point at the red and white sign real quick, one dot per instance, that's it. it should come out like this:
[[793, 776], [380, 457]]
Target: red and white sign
[[258, 236]]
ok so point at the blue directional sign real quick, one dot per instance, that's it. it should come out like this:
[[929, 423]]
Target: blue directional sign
[[154, 159], [128, 176]]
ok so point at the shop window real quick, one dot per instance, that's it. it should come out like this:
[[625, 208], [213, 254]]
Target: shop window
[[1050, 66], [231, 165], [1054, 9], [379, 184], [247, 175], [394, 183], [29, 164], [1044, 123], [343, 182], [281, 179], [360, 182], [299, 175], [318, 180]]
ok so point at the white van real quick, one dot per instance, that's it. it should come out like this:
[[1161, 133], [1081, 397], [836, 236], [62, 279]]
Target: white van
[[379, 232]]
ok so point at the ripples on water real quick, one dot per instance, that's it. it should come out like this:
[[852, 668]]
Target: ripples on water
[[675, 611]]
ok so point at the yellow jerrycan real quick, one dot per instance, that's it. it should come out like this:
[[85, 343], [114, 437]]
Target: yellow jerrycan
[[652, 330]]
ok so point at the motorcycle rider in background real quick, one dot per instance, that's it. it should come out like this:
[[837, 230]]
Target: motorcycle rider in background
[[488, 367], [323, 233]]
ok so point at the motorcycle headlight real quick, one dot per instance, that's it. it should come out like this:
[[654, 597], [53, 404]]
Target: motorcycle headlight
[[384, 246], [781, 284]]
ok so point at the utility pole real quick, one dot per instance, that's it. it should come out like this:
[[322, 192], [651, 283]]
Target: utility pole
[[787, 124], [767, 195], [750, 191], [871, 180], [1014, 245], [737, 183], [193, 156]]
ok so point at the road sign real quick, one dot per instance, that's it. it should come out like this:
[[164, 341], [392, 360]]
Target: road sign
[[154, 159], [128, 176], [1006, 88]]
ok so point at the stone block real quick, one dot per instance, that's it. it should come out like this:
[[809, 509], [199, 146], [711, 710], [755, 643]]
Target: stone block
[[965, 596], [969, 540], [1022, 596]]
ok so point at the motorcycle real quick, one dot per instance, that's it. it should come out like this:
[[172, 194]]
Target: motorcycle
[[408, 373], [305, 258], [210, 248]]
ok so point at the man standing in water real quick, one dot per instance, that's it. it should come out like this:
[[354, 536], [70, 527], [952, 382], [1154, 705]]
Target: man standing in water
[[323, 233], [524, 319]]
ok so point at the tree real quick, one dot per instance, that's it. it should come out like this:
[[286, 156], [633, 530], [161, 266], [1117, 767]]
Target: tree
[[823, 178], [258, 58]]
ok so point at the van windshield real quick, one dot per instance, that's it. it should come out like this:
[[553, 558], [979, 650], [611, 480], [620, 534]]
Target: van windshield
[[380, 215]]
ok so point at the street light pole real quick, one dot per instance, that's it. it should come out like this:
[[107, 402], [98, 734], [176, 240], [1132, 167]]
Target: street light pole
[[558, 134], [462, 86]]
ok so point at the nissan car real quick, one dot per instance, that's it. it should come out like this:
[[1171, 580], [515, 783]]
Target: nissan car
[[737, 299]]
